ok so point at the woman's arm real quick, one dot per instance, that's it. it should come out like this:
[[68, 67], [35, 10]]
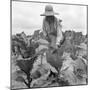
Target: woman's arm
[[59, 33]]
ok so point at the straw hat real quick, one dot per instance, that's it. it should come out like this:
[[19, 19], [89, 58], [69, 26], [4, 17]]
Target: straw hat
[[49, 11]]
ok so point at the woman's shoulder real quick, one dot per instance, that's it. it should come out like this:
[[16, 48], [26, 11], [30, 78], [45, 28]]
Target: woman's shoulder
[[58, 19]]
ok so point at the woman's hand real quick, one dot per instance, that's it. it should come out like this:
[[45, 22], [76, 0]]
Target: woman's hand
[[58, 44]]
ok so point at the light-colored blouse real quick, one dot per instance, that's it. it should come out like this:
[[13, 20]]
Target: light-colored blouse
[[53, 28]]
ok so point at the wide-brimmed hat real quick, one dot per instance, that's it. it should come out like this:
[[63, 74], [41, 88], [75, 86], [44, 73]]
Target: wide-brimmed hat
[[49, 11]]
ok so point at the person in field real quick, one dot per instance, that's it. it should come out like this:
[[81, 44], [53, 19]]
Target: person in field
[[52, 27]]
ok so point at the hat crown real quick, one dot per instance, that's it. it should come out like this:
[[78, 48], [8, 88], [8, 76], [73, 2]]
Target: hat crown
[[49, 11], [48, 8]]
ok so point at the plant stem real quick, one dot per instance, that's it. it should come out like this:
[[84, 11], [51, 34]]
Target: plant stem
[[29, 80]]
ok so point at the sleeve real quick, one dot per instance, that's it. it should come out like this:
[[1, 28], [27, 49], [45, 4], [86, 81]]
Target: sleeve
[[59, 33], [44, 28]]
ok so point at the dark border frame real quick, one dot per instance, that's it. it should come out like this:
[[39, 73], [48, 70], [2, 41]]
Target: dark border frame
[[11, 38]]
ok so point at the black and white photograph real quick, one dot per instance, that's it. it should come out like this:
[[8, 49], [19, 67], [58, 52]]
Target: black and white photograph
[[49, 44]]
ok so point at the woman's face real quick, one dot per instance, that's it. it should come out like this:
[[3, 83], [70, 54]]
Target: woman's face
[[50, 18]]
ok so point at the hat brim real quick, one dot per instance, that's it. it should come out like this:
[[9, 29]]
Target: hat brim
[[49, 14]]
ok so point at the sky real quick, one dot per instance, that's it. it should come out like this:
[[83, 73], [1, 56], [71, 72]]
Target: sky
[[26, 17]]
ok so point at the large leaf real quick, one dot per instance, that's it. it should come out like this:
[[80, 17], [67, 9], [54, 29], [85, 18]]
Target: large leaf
[[42, 41], [26, 53], [69, 71], [40, 81], [54, 60], [19, 73], [20, 79], [36, 34], [26, 65], [41, 65]]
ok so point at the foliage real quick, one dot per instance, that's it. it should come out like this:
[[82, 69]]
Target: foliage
[[26, 66], [42, 66]]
